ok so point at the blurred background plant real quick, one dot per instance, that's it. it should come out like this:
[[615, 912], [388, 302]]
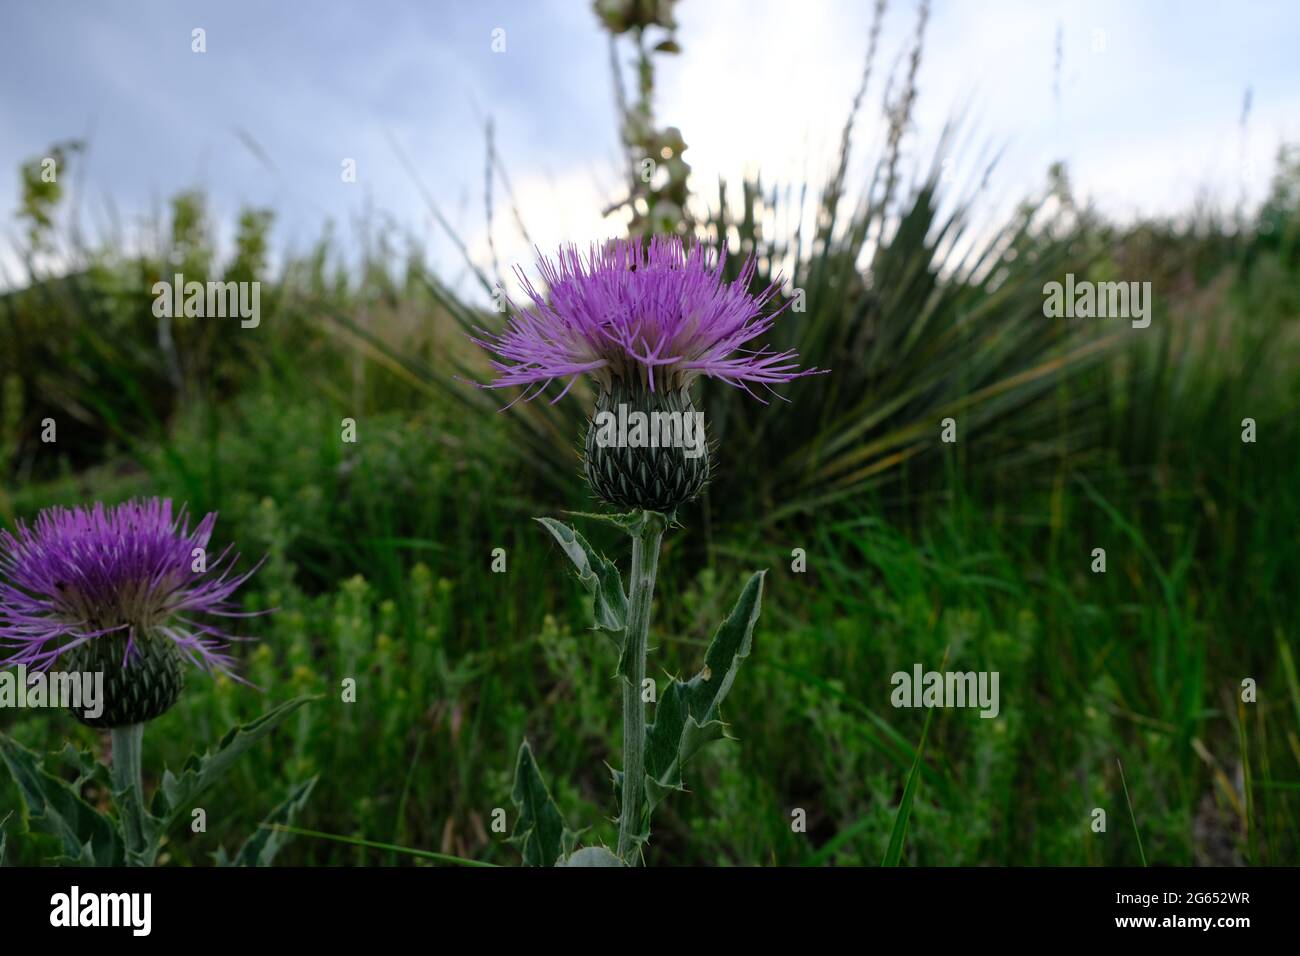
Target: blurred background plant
[[1072, 435], [657, 189]]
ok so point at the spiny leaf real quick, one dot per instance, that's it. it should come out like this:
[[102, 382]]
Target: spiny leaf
[[260, 849], [177, 793], [663, 744], [731, 644], [84, 764], [598, 575], [686, 717], [89, 837], [631, 523], [540, 833]]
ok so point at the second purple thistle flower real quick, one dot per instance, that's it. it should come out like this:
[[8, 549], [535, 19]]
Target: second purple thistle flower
[[123, 591], [643, 321]]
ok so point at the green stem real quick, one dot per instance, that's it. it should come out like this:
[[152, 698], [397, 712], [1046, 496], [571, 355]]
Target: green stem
[[128, 780], [645, 564]]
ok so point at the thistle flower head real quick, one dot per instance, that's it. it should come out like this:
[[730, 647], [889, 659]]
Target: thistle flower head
[[651, 317], [119, 587]]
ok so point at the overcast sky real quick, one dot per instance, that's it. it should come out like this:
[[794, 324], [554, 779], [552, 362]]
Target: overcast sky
[[1147, 110]]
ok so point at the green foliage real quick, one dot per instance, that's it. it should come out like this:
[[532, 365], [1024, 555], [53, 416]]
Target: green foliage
[[86, 836], [598, 576], [41, 185], [178, 792], [540, 834], [89, 837], [686, 716], [261, 848], [899, 833]]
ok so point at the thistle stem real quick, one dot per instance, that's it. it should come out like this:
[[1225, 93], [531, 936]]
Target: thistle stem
[[128, 779], [645, 565]]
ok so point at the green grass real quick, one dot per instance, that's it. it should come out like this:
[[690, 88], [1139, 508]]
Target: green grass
[[381, 573]]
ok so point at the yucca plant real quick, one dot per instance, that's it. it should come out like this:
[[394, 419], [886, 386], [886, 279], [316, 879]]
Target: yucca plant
[[923, 318]]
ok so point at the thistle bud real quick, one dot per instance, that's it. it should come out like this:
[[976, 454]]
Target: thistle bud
[[646, 450], [145, 687]]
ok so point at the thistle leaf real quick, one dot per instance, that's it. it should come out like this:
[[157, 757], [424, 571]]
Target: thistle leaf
[[598, 575], [89, 837], [687, 715], [631, 523], [540, 832], [84, 764], [663, 772], [2, 837], [178, 792], [260, 849]]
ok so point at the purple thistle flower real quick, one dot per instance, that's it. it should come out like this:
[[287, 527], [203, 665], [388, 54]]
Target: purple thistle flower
[[651, 318], [78, 575]]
